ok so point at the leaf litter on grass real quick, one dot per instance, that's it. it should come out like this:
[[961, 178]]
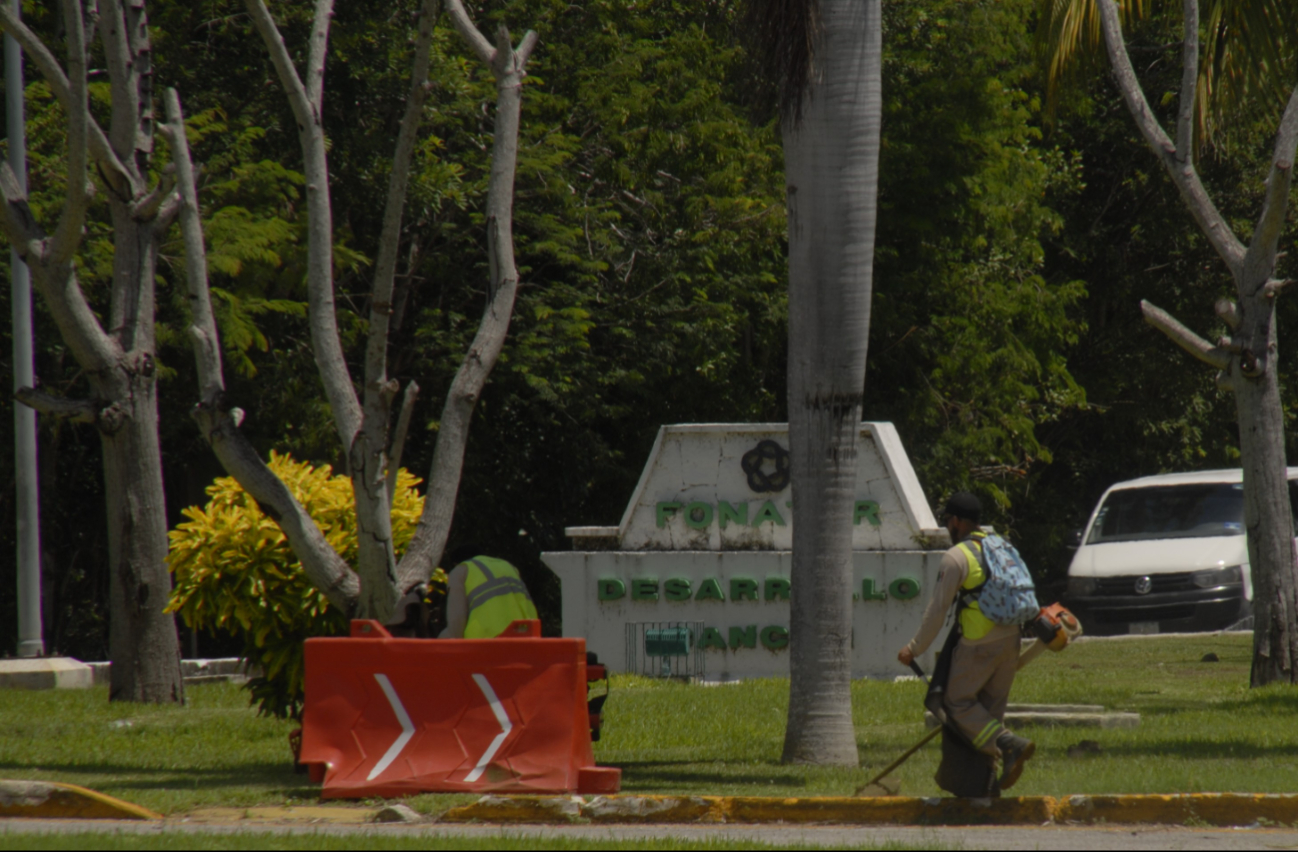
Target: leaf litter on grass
[[252, 840]]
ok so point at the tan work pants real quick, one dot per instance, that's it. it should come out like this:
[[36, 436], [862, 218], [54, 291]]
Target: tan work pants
[[979, 689]]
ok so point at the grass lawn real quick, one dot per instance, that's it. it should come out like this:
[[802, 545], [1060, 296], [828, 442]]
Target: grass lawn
[[1202, 729], [103, 840]]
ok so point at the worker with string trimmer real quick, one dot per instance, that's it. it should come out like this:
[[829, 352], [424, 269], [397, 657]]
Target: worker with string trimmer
[[986, 580]]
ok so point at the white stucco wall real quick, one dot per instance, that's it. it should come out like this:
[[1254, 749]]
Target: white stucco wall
[[880, 627], [701, 464], [700, 514]]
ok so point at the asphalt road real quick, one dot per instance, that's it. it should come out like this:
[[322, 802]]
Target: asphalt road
[[982, 837]]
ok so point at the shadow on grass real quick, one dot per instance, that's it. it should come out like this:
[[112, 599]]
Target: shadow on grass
[[677, 772], [278, 775], [1265, 702], [1272, 701], [1200, 749]]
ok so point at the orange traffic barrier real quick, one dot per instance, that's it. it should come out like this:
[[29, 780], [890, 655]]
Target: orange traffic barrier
[[391, 717]]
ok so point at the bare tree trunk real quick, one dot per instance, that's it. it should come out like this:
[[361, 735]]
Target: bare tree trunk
[[1269, 524], [831, 163], [143, 643], [1247, 360]]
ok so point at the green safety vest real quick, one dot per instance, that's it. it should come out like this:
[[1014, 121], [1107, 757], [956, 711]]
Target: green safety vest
[[496, 597], [973, 624]]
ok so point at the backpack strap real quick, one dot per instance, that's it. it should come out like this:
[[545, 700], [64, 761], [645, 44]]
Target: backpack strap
[[975, 538]]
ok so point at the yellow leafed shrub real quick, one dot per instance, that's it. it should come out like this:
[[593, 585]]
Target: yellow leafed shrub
[[234, 571]]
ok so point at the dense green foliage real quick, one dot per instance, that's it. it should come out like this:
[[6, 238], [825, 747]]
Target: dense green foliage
[[1006, 340], [235, 572], [969, 339]]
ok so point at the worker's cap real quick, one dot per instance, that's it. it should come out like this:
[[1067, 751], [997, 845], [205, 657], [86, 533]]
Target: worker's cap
[[963, 505]]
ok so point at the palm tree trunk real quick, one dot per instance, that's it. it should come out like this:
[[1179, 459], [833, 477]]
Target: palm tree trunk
[[831, 162]]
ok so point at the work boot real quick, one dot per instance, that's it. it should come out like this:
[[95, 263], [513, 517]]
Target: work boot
[[1015, 751]]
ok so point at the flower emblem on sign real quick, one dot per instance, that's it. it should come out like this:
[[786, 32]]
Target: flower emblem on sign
[[755, 462]]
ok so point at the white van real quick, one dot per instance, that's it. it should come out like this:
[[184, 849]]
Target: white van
[[1165, 554]]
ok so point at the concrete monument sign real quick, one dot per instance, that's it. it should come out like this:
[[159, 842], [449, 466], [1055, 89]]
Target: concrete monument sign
[[705, 543]]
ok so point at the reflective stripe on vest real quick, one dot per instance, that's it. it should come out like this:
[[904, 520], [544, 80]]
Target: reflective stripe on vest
[[496, 597], [973, 624]]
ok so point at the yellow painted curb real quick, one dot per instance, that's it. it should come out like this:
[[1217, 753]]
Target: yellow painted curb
[[674, 809], [1181, 809], [1215, 809], [47, 800], [891, 810], [518, 809], [755, 809], [316, 815]]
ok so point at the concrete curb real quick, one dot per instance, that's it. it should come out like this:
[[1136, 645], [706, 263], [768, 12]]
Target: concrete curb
[[45, 800], [45, 673], [1207, 809], [194, 672]]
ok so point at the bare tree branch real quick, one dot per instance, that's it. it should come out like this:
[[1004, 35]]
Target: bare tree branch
[[137, 31], [168, 210], [122, 77], [525, 47], [377, 403], [77, 323], [91, 23], [323, 566], [203, 331], [1183, 174], [464, 26], [1189, 83], [67, 234], [303, 109], [324, 10], [452, 438], [114, 172], [1183, 337], [1273, 287], [399, 436], [76, 410], [24, 232], [1228, 311], [147, 207], [398, 181], [1261, 257], [325, 344]]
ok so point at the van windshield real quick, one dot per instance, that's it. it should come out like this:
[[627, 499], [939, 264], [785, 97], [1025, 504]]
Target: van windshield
[[1170, 511]]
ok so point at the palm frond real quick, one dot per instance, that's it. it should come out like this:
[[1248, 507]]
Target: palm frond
[[1251, 53], [783, 36], [1248, 57]]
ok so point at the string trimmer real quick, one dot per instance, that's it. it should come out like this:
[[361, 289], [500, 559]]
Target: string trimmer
[[1061, 626]]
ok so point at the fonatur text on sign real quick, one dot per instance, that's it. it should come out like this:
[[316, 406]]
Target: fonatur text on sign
[[706, 540]]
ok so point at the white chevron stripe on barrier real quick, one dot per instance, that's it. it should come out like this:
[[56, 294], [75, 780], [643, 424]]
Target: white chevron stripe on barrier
[[505, 727], [407, 728]]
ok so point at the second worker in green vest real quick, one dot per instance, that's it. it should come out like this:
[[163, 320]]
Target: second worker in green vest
[[486, 595]]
